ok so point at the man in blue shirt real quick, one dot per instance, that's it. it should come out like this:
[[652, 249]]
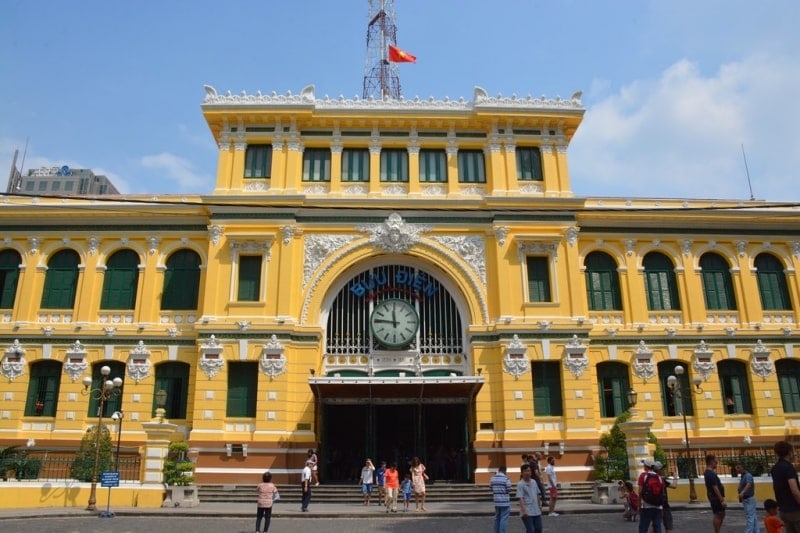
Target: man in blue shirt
[[501, 494], [748, 498]]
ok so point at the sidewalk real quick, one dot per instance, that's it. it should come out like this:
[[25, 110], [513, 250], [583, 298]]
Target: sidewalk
[[325, 510]]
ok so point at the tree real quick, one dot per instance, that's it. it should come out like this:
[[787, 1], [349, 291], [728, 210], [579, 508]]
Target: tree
[[613, 464], [178, 468], [83, 465]]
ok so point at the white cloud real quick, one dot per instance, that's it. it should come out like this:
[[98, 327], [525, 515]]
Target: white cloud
[[681, 135], [177, 169]]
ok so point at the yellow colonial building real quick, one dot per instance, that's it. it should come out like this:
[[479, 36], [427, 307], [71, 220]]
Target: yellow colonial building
[[398, 278]]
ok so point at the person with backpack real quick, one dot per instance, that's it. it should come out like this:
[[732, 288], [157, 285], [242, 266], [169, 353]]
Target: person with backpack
[[651, 498], [630, 502]]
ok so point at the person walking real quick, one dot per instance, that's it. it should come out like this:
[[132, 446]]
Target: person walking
[[772, 523], [786, 487], [536, 475], [267, 494], [312, 456], [715, 492], [367, 477], [552, 484], [407, 487], [380, 479], [392, 478], [528, 495], [501, 495], [418, 479], [305, 486], [651, 498], [747, 497]]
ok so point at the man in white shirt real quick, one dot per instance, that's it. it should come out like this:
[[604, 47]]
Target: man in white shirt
[[528, 494], [305, 484], [367, 477], [552, 484]]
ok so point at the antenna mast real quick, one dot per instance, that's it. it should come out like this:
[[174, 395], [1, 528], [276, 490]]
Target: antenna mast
[[747, 171], [381, 78]]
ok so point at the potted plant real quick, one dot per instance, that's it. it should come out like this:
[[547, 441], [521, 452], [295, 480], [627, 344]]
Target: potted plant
[[8, 459], [179, 477]]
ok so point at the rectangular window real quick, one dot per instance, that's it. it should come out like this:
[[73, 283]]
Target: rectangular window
[[394, 165], [471, 166], [56, 186], [29, 185], [316, 164], [249, 278], [547, 389], [43, 185], [242, 389], [432, 166], [538, 279], [529, 163], [258, 161], [355, 164], [68, 186]]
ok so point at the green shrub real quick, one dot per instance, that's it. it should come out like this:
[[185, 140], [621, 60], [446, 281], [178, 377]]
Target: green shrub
[[178, 468], [613, 464], [83, 464]]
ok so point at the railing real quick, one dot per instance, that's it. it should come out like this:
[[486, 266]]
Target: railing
[[757, 461], [55, 466]]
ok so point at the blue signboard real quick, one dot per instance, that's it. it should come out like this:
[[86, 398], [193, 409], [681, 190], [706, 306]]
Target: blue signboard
[[109, 479]]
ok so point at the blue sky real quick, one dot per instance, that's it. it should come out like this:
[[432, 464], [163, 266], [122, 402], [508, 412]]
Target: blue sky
[[672, 89]]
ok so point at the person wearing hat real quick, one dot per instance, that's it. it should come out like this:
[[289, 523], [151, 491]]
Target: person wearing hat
[[666, 510], [647, 465], [649, 514]]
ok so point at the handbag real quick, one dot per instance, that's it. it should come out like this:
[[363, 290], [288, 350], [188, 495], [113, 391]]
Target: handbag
[[276, 497]]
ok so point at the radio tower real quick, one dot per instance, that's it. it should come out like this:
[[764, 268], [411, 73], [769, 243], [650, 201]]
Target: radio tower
[[381, 78]]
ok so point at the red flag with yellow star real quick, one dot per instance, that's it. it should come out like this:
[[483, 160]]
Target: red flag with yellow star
[[399, 56]]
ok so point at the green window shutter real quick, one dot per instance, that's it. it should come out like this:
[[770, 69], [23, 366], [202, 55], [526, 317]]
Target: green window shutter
[[432, 166], [529, 164], [316, 164], [355, 164], [249, 278], [547, 389], [43, 389], [242, 389], [394, 165], [471, 166], [717, 283], [173, 377], [788, 371], [258, 161], [120, 281], [61, 281], [733, 377], [602, 283], [660, 283], [612, 379], [538, 279], [772, 284], [181, 281], [9, 277]]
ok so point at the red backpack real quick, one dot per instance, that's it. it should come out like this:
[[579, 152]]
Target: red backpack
[[633, 498]]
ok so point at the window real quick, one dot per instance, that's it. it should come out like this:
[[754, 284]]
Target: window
[[602, 283], [114, 403], [181, 281], [717, 284], [56, 186], [394, 165], [613, 384], [42, 185], [538, 279], [316, 164], [432, 166], [735, 388], [471, 167], [672, 403], [788, 371], [9, 276], [529, 163], [258, 161], [43, 388], [173, 377], [355, 164], [61, 280], [547, 389], [29, 185], [659, 282], [242, 389], [68, 186], [772, 283], [249, 278], [120, 281]]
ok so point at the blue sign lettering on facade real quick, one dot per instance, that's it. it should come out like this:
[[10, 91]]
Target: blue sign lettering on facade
[[420, 283]]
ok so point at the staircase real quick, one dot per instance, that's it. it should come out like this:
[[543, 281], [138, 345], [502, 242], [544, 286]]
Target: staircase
[[351, 493]]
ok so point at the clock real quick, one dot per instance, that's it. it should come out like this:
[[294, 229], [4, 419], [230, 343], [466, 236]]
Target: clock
[[394, 323]]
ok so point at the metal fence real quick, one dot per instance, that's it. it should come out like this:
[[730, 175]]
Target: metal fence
[[55, 466], [758, 461]]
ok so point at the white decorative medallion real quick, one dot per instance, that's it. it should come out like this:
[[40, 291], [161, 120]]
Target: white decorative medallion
[[515, 362], [273, 360], [576, 360], [13, 365]]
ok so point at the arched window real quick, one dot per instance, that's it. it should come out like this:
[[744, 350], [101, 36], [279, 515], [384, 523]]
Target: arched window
[[120, 281], [675, 403], [717, 284], [181, 281], [788, 371], [613, 384], [602, 282], [173, 377], [735, 387], [659, 282], [61, 280], [43, 388], [114, 403], [9, 275], [772, 283]]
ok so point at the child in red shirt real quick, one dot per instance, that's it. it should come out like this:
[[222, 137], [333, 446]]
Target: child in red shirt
[[771, 521]]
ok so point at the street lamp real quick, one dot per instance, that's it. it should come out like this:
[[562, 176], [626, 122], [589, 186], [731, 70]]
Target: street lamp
[[674, 383], [633, 396], [108, 388]]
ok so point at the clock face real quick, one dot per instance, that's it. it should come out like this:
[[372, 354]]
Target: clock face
[[394, 323]]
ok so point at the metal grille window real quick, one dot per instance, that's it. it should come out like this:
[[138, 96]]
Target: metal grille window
[[316, 164], [9, 276], [717, 283], [772, 283], [471, 166], [258, 161], [43, 389], [660, 284], [538, 279], [529, 163], [355, 164], [394, 165], [432, 166], [602, 283], [61, 280]]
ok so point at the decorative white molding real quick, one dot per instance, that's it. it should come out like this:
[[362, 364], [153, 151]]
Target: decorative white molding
[[501, 234], [211, 361], [643, 365], [703, 360], [472, 249], [215, 233], [796, 248], [741, 247], [138, 366], [355, 190], [760, 362], [394, 190], [630, 245], [686, 247], [434, 190], [529, 187], [515, 362], [273, 360], [317, 248], [287, 232], [250, 247], [576, 360], [94, 244], [255, 185], [13, 365], [572, 235], [75, 364], [316, 189], [537, 248], [394, 235], [33, 245]]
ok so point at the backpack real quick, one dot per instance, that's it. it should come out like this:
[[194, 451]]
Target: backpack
[[653, 490], [633, 498]]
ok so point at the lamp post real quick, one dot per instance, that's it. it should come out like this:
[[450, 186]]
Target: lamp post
[[107, 389], [633, 396], [678, 391]]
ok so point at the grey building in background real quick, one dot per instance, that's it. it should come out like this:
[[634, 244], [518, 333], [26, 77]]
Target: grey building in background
[[59, 181]]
